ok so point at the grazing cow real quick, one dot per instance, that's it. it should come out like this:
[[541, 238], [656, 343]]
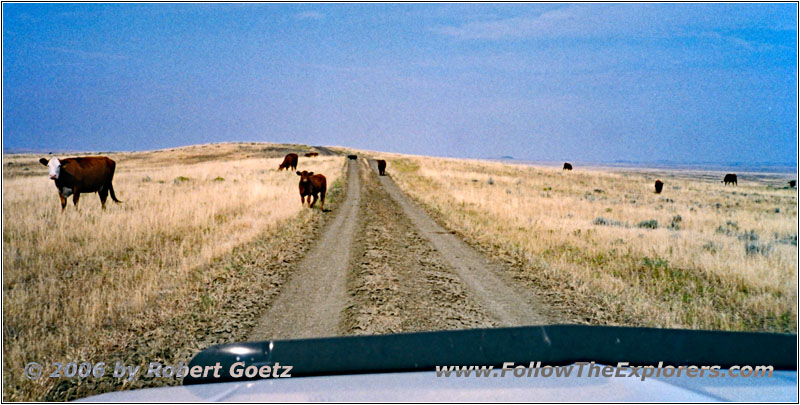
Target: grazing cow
[[567, 166], [352, 157], [659, 186], [382, 167], [312, 154], [75, 176], [290, 161], [792, 183], [729, 178], [310, 185]]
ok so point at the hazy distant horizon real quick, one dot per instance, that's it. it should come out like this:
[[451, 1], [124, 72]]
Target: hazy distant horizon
[[646, 82], [772, 167]]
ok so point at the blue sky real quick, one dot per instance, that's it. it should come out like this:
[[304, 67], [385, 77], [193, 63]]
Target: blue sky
[[583, 82]]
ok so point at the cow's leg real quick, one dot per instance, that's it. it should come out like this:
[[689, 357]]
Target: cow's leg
[[75, 198], [103, 193], [322, 201], [313, 202], [63, 201], [302, 200]]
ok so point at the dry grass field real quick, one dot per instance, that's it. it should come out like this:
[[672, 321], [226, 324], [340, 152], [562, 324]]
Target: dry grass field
[[700, 255], [80, 285], [207, 236]]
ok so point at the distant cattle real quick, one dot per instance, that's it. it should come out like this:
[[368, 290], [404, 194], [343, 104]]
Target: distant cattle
[[310, 185], [80, 175], [312, 154], [792, 183], [729, 178], [290, 161], [382, 167], [567, 166], [352, 157], [659, 186]]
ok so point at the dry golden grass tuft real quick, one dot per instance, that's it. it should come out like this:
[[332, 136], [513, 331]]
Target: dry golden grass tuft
[[76, 283], [700, 255]]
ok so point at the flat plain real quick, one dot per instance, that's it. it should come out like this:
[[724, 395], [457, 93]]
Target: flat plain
[[699, 255], [211, 245], [147, 279]]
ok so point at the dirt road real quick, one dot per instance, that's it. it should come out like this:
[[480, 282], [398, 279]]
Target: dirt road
[[399, 281], [325, 151], [312, 301], [382, 265]]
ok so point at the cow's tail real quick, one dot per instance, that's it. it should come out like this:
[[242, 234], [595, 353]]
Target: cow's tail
[[111, 191], [110, 179]]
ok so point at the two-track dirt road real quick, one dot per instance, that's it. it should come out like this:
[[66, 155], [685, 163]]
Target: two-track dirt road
[[312, 301], [382, 265]]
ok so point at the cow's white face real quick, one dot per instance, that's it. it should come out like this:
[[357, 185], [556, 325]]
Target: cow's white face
[[55, 168]]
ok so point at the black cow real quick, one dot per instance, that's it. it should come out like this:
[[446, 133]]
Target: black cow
[[567, 166], [729, 178]]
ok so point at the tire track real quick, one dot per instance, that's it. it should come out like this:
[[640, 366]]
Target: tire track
[[398, 282], [382, 265], [313, 300], [506, 302]]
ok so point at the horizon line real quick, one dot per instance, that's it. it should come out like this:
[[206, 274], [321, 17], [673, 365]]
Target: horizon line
[[22, 151]]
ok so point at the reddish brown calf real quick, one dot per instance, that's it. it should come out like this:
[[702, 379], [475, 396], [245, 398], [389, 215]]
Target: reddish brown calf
[[310, 185]]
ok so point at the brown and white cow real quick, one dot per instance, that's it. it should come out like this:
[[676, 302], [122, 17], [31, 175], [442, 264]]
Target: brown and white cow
[[290, 161], [382, 167], [76, 176], [310, 185]]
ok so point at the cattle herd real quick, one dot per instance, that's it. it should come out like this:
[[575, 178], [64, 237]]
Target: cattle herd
[[80, 175], [93, 174], [729, 178]]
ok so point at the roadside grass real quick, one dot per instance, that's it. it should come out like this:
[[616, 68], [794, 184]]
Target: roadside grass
[[700, 255], [84, 284]]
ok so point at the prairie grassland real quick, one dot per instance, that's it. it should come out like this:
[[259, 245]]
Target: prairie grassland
[[700, 255], [75, 284]]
